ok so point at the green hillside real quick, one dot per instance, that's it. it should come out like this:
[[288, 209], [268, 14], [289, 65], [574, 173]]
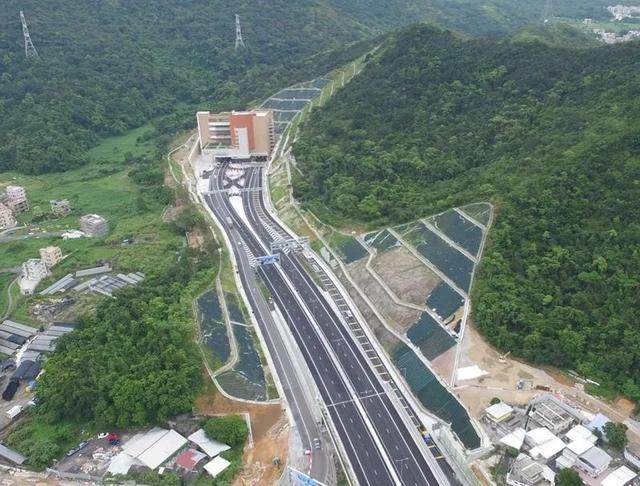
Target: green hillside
[[106, 67], [550, 135], [109, 66]]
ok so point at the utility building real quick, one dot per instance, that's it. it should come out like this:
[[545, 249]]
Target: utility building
[[6, 217], [238, 135], [94, 225], [552, 415]]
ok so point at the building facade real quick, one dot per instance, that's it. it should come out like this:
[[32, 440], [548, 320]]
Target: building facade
[[50, 255], [17, 199], [94, 225], [34, 269], [6, 217], [238, 134]]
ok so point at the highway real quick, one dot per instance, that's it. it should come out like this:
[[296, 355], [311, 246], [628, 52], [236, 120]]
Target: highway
[[375, 436], [296, 392]]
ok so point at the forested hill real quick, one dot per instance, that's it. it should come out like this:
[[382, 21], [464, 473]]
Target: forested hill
[[106, 66], [550, 135]]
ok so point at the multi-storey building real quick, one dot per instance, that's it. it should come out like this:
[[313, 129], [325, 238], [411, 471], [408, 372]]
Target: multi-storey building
[[33, 271], [6, 217], [16, 199], [94, 225], [50, 255], [236, 135]]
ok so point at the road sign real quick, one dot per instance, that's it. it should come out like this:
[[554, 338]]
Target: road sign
[[269, 259]]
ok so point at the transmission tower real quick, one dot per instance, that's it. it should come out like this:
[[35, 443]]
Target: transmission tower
[[239, 41], [547, 12], [29, 48]]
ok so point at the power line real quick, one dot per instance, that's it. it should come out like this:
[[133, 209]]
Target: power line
[[239, 41], [547, 12], [29, 48]]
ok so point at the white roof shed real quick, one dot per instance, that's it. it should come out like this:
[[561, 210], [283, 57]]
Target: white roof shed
[[499, 411], [536, 437], [579, 447], [211, 447], [548, 449], [154, 447], [619, 477], [163, 449], [216, 466], [515, 439], [580, 432]]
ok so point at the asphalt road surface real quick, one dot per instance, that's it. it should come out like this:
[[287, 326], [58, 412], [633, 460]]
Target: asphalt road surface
[[377, 441]]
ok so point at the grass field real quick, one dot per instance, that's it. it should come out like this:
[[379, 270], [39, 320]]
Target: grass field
[[102, 186], [5, 280], [114, 149]]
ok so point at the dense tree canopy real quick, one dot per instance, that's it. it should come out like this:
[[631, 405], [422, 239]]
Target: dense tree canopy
[[134, 361], [230, 429], [616, 434], [106, 67], [550, 135], [568, 477]]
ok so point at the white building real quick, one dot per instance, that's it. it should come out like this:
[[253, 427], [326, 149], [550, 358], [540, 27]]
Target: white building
[[594, 462], [525, 472], [580, 432], [50, 255], [94, 225], [552, 415], [632, 455], [620, 477], [6, 217], [33, 271], [498, 412], [17, 199]]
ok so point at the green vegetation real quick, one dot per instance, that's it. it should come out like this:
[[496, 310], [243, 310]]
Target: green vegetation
[[179, 58], [129, 194], [140, 362], [5, 280], [231, 429], [559, 35], [616, 434], [42, 442], [568, 477], [549, 135]]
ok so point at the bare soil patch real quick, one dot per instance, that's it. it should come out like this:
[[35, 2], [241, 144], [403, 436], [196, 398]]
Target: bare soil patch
[[270, 431], [405, 275], [399, 317], [504, 373]]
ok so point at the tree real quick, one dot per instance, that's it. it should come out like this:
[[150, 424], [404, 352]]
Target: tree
[[495, 400], [616, 434], [231, 430], [568, 477]]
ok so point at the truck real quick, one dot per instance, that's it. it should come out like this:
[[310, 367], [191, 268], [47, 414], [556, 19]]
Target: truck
[[229, 222]]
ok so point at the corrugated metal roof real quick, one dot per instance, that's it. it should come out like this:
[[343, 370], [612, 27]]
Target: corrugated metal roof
[[210, 446], [12, 455]]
